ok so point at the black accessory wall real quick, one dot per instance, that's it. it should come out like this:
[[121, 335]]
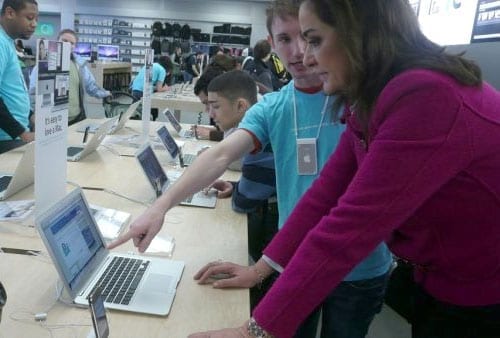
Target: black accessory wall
[[135, 35]]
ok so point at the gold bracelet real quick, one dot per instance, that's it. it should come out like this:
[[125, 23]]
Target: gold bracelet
[[260, 276]]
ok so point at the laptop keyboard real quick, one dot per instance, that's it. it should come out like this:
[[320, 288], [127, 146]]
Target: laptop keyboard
[[121, 278], [72, 151], [187, 133], [188, 159], [4, 182]]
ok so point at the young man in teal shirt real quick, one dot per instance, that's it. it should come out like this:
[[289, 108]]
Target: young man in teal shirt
[[18, 21], [160, 70]]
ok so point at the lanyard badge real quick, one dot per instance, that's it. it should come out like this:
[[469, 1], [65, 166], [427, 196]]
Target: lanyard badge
[[307, 159], [307, 156]]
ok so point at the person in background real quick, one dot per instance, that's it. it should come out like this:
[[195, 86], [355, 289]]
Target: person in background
[[261, 72], [247, 55], [26, 60], [230, 95], [298, 112], [81, 81], [18, 20], [280, 75], [220, 64], [160, 72], [224, 61], [19, 48], [176, 58], [417, 167], [212, 132], [160, 69], [219, 50], [193, 66], [239, 62], [21, 55]]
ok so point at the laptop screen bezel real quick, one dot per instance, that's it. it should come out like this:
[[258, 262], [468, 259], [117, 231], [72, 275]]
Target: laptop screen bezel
[[172, 120], [175, 152], [88, 272], [126, 116], [96, 138], [24, 175], [147, 146]]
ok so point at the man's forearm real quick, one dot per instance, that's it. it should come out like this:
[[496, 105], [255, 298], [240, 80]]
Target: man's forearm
[[8, 123], [208, 166], [195, 70]]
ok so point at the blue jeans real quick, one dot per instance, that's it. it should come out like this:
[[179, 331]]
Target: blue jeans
[[188, 77], [436, 319], [348, 310], [137, 94]]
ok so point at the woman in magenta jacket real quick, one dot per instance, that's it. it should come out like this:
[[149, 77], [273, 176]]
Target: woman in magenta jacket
[[418, 167]]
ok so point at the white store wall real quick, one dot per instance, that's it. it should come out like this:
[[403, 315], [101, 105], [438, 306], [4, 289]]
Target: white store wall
[[183, 11]]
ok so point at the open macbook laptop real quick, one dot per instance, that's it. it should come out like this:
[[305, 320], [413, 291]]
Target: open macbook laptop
[[128, 282], [119, 120], [186, 133], [75, 153], [173, 148], [160, 182], [23, 176]]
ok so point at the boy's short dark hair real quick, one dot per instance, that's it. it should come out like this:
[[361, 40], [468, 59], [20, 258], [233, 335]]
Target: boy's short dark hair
[[16, 5], [210, 73], [234, 85]]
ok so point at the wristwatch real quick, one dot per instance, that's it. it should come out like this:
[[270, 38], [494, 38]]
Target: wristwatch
[[254, 330]]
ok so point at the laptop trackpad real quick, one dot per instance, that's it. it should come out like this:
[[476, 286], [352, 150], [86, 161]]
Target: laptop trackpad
[[155, 294], [157, 282]]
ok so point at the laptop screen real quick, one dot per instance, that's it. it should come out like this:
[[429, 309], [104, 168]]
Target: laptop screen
[[73, 237], [83, 49], [173, 121], [168, 141], [108, 52], [151, 166]]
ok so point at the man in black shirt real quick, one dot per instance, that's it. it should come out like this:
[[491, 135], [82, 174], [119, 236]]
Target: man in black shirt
[[193, 66]]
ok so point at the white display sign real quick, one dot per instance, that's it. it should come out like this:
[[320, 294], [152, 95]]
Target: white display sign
[[146, 94], [51, 122]]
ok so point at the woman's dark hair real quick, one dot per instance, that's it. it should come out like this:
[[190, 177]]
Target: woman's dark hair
[[223, 61], [166, 63], [261, 49], [210, 73], [219, 64], [382, 38]]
